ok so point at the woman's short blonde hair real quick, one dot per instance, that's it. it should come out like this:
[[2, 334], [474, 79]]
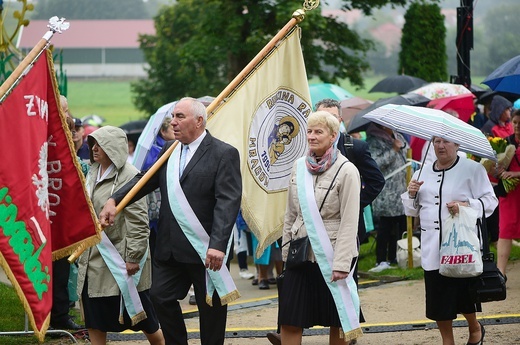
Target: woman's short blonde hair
[[324, 118], [166, 123]]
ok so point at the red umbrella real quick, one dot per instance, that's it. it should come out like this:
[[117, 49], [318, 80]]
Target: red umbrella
[[462, 104]]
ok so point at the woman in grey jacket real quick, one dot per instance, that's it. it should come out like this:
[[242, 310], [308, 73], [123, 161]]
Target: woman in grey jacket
[[114, 276]]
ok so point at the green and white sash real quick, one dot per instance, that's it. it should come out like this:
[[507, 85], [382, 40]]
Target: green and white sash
[[127, 284], [221, 280], [343, 291]]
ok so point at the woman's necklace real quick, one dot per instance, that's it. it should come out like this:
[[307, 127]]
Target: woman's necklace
[[439, 167]]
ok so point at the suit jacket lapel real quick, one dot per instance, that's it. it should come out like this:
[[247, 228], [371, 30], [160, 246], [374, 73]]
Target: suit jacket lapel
[[201, 150]]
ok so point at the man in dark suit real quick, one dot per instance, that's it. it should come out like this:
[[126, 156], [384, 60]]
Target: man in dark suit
[[212, 186]]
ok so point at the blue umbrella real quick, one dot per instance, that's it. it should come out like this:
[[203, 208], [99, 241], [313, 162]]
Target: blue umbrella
[[322, 91], [505, 78]]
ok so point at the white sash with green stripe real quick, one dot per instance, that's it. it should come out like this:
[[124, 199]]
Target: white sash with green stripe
[[127, 284], [221, 280], [343, 291]]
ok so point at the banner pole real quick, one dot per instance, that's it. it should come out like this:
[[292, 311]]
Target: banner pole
[[55, 25], [297, 17]]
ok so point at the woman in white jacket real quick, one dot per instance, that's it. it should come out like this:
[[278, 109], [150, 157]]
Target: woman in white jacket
[[447, 183]]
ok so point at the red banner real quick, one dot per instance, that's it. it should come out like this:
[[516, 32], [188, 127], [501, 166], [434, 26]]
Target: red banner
[[44, 209]]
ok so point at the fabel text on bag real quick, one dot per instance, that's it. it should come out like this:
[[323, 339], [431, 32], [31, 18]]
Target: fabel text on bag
[[460, 254]]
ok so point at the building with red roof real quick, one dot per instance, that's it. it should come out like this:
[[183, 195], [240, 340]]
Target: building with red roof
[[95, 48]]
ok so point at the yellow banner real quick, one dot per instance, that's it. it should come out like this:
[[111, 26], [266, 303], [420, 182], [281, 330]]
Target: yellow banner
[[266, 120]]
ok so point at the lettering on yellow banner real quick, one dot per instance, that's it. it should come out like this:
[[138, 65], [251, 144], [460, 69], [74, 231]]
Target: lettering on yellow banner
[[277, 138]]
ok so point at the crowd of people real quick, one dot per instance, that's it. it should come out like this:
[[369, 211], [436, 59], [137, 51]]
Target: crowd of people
[[150, 257]]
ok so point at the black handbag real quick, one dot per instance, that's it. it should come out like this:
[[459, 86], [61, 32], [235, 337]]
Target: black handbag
[[491, 284], [499, 189], [298, 252], [299, 248]]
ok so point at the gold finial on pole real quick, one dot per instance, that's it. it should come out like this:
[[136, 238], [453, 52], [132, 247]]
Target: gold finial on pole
[[308, 5], [55, 25]]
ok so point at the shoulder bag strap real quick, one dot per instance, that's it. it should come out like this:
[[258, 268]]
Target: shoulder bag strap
[[331, 183], [481, 223], [328, 190]]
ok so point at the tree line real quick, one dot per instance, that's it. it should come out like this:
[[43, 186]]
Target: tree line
[[200, 45]]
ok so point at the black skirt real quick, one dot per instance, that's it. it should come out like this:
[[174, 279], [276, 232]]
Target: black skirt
[[305, 300], [102, 313], [446, 297]]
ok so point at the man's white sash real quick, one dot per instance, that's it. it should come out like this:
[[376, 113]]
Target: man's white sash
[[127, 284], [221, 280], [343, 291]]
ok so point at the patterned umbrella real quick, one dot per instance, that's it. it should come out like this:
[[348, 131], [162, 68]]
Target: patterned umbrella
[[441, 90], [322, 91], [426, 123]]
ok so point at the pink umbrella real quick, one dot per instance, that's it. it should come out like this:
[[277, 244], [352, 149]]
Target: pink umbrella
[[351, 106], [462, 104]]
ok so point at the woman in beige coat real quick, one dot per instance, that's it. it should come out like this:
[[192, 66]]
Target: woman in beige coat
[[323, 204], [109, 301]]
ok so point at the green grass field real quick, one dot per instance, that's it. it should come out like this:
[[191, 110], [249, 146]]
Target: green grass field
[[110, 99]]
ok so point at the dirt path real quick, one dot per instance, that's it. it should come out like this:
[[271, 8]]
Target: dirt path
[[389, 310]]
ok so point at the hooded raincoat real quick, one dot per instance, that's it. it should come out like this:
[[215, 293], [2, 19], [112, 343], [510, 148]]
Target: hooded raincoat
[[494, 127], [130, 231]]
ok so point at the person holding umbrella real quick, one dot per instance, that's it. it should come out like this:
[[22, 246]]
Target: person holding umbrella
[[445, 185]]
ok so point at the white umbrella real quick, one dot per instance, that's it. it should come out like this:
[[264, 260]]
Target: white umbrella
[[150, 133], [427, 123]]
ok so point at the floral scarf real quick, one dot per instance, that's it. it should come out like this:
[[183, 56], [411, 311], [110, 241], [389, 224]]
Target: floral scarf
[[325, 162]]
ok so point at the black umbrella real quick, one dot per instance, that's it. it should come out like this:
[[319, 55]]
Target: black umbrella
[[487, 97], [478, 90], [359, 123], [399, 83], [133, 129]]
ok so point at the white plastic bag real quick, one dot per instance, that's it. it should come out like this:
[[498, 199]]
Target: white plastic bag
[[460, 246], [402, 252]]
